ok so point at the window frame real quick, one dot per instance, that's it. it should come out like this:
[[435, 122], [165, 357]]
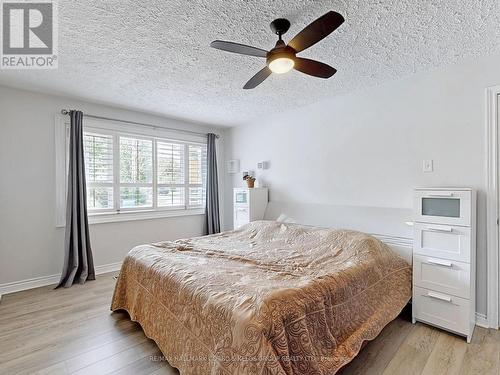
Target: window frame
[[117, 130]]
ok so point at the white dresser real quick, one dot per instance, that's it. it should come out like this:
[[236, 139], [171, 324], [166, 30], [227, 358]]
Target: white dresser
[[249, 205], [444, 259]]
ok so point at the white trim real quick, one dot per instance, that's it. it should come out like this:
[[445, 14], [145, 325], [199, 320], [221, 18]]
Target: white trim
[[482, 321], [141, 215], [38, 282], [492, 194], [395, 241], [105, 268]]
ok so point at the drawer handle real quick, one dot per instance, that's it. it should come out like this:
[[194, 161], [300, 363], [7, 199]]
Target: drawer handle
[[437, 262], [439, 296], [440, 229], [440, 195]]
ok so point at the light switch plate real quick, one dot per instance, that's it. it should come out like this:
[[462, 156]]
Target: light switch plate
[[428, 166], [233, 166]]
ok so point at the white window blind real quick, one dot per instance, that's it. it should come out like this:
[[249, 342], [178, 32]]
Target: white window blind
[[136, 173], [139, 173], [197, 175], [99, 170], [171, 174]]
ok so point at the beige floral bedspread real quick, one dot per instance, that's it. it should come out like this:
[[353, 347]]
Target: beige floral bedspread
[[268, 298]]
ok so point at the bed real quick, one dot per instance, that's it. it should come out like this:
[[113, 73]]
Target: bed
[[268, 298]]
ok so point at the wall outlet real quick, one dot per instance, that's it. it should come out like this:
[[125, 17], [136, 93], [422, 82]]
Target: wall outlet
[[428, 166]]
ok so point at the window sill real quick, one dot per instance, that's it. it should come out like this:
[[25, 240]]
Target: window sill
[[143, 215], [115, 217]]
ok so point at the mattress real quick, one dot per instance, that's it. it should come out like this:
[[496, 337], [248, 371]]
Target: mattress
[[268, 298]]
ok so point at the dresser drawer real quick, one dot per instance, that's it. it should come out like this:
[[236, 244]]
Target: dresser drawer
[[442, 241], [444, 310], [446, 276], [241, 213], [240, 196], [443, 206], [241, 216]]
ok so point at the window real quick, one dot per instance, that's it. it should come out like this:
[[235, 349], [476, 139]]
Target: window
[[131, 173], [134, 172]]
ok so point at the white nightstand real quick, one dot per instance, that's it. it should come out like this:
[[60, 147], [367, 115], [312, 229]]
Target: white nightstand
[[444, 259], [249, 205]]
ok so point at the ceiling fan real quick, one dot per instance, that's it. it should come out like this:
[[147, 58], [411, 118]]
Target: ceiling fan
[[282, 58]]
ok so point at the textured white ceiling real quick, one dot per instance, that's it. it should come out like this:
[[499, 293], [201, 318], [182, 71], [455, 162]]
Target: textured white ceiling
[[154, 55]]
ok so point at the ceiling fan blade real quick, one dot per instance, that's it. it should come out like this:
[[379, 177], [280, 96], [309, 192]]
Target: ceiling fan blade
[[258, 78], [316, 31], [238, 48], [314, 68]]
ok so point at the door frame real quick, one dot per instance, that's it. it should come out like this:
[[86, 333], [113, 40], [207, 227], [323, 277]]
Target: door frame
[[492, 206]]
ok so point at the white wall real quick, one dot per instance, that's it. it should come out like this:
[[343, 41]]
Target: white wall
[[366, 148], [30, 244]]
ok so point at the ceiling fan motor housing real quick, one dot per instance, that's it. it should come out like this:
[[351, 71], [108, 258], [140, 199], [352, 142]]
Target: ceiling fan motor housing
[[280, 52]]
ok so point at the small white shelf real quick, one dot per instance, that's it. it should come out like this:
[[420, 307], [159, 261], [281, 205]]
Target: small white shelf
[[249, 205]]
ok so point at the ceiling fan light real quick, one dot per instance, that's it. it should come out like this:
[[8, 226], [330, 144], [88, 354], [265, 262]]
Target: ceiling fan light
[[281, 65]]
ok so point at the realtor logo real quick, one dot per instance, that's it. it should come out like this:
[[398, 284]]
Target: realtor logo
[[29, 34]]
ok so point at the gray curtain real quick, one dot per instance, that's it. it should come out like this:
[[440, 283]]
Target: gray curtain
[[212, 210], [78, 263]]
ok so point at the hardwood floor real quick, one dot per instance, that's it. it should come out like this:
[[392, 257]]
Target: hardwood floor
[[72, 331]]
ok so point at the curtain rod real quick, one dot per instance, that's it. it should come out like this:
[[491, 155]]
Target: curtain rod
[[66, 112]]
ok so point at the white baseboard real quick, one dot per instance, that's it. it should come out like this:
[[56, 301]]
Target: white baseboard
[[105, 268], [482, 321], [37, 282]]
